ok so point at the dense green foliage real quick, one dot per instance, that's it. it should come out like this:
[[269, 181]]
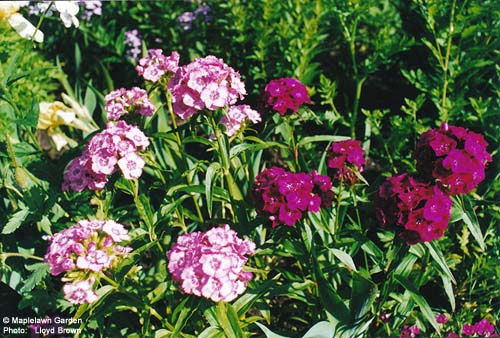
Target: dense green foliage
[[378, 71]]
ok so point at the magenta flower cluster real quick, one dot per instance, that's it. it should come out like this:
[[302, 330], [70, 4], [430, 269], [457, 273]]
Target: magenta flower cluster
[[153, 67], [346, 159], [420, 208], [482, 328], [236, 116], [286, 94], [409, 331], [285, 197], [454, 156], [205, 83], [89, 246], [210, 264], [450, 160], [123, 101], [116, 146]]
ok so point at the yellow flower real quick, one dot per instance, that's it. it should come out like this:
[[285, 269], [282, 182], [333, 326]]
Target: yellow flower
[[55, 114], [7, 8]]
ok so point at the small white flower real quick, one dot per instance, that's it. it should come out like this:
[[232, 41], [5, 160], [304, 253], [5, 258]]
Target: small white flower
[[67, 12]]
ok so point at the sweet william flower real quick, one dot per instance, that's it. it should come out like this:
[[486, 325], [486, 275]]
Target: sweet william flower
[[285, 197], [420, 210], [131, 165], [80, 292], [210, 264], [236, 116], [454, 156], [286, 94], [441, 318], [205, 83], [345, 160]]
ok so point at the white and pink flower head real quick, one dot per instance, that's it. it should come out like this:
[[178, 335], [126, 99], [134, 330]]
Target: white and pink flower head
[[205, 83], [210, 264]]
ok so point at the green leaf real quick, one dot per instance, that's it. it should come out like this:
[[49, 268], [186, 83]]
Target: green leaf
[[321, 138], [470, 218], [328, 295], [269, 333], [419, 299], [90, 100], [40, 270], [345, 258], [438, 257], [181, 315], [211, 332], [320, 330], [30, 118], [15, 221], [363, 293], [246, 301], [213, 171], [144, 207]]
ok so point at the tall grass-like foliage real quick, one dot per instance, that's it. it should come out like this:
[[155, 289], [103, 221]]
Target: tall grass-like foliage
[[322, 168]]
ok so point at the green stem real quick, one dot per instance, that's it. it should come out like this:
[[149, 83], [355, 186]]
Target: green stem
[[179, 143], [110, 281], [355, 106], [451, 28], [6, 255]]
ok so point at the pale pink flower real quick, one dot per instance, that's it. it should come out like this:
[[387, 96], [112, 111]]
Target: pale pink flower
[[80, 292], [116, 230], [131, 165], [211, 264]]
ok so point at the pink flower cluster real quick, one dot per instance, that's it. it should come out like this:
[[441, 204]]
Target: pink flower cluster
[[409, 331], [154, 66], [211, 264], [286, 94], [345, 158], [80, 292], [482, 328], [205, 83], [454, 156], [90, 246], [285, 196], [421, 208], [236, 116], [116, 145], [123, 101]]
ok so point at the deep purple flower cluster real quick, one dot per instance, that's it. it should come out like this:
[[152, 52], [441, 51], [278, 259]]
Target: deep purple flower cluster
[[123, 101], [346, 159], [153, 67], [90, 246], [482, 328], [116, 145], [286, 94], [205, 83], [454, 156], [285, 196], [211, 264], [421, 208]]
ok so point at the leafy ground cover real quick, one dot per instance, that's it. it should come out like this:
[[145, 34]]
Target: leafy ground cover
[[321, 168]]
